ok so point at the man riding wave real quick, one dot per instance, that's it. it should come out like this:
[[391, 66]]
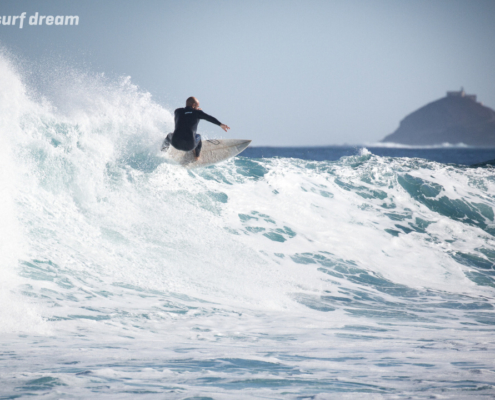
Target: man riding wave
[[184, 137]]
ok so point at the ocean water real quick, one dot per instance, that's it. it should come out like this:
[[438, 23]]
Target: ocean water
[[445, 154], [124, 277]]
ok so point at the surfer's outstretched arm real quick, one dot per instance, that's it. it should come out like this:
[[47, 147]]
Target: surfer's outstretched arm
[[213, 120], [202, 115]]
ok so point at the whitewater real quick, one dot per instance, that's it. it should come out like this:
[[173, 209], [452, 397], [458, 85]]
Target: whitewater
[[124, 276]]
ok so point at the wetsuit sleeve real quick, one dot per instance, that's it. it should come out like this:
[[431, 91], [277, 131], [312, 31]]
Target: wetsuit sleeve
[[209, 118]]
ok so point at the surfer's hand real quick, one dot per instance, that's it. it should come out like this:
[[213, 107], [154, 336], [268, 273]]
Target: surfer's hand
[[224, 127]]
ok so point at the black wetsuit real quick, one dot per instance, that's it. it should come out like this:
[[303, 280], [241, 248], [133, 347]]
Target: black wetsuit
[[184, 136]]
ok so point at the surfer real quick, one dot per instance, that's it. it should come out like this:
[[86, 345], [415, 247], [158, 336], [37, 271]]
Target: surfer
[[184, 137]]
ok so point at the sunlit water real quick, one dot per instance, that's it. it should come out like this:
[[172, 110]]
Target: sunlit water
[[125, 277]]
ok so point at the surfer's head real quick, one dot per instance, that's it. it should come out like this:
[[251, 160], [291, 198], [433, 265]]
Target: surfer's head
[[192, 102]]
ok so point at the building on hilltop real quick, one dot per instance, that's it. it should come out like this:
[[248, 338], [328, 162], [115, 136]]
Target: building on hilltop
[[462, 93]]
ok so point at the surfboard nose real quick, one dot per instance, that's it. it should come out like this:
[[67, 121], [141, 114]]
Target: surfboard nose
[[242, 144]]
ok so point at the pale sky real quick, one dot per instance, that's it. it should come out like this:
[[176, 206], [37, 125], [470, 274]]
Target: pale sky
[[286, 73]]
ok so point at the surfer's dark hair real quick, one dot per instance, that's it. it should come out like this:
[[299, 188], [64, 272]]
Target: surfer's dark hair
[[191, 101]]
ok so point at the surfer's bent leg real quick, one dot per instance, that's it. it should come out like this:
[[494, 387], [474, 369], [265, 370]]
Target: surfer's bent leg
[[197, 149], [166, 143]]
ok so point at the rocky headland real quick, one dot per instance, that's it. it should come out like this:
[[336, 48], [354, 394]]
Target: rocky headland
[[456, 118]]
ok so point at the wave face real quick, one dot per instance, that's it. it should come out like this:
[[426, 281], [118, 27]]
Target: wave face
[[271, 278]]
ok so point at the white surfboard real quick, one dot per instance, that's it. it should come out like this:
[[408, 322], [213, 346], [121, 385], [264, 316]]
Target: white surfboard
[[213, 151]]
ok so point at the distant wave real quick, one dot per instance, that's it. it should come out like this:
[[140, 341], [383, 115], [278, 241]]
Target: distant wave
[[407, 146]]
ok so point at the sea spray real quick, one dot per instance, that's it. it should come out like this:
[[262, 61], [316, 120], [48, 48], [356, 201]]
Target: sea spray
[[17, 313]]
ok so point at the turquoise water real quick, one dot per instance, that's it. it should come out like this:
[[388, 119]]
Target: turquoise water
[[124, 276]]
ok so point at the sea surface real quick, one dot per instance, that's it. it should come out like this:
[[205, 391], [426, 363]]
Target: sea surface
[[284, 273], [445, 154]]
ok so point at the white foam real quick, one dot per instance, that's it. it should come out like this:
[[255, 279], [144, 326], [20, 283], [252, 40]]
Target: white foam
[[16, 314]]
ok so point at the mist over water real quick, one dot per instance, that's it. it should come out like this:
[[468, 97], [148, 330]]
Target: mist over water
[[124, 275]]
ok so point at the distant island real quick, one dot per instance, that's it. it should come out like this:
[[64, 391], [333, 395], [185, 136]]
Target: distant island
[[456, 118]]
